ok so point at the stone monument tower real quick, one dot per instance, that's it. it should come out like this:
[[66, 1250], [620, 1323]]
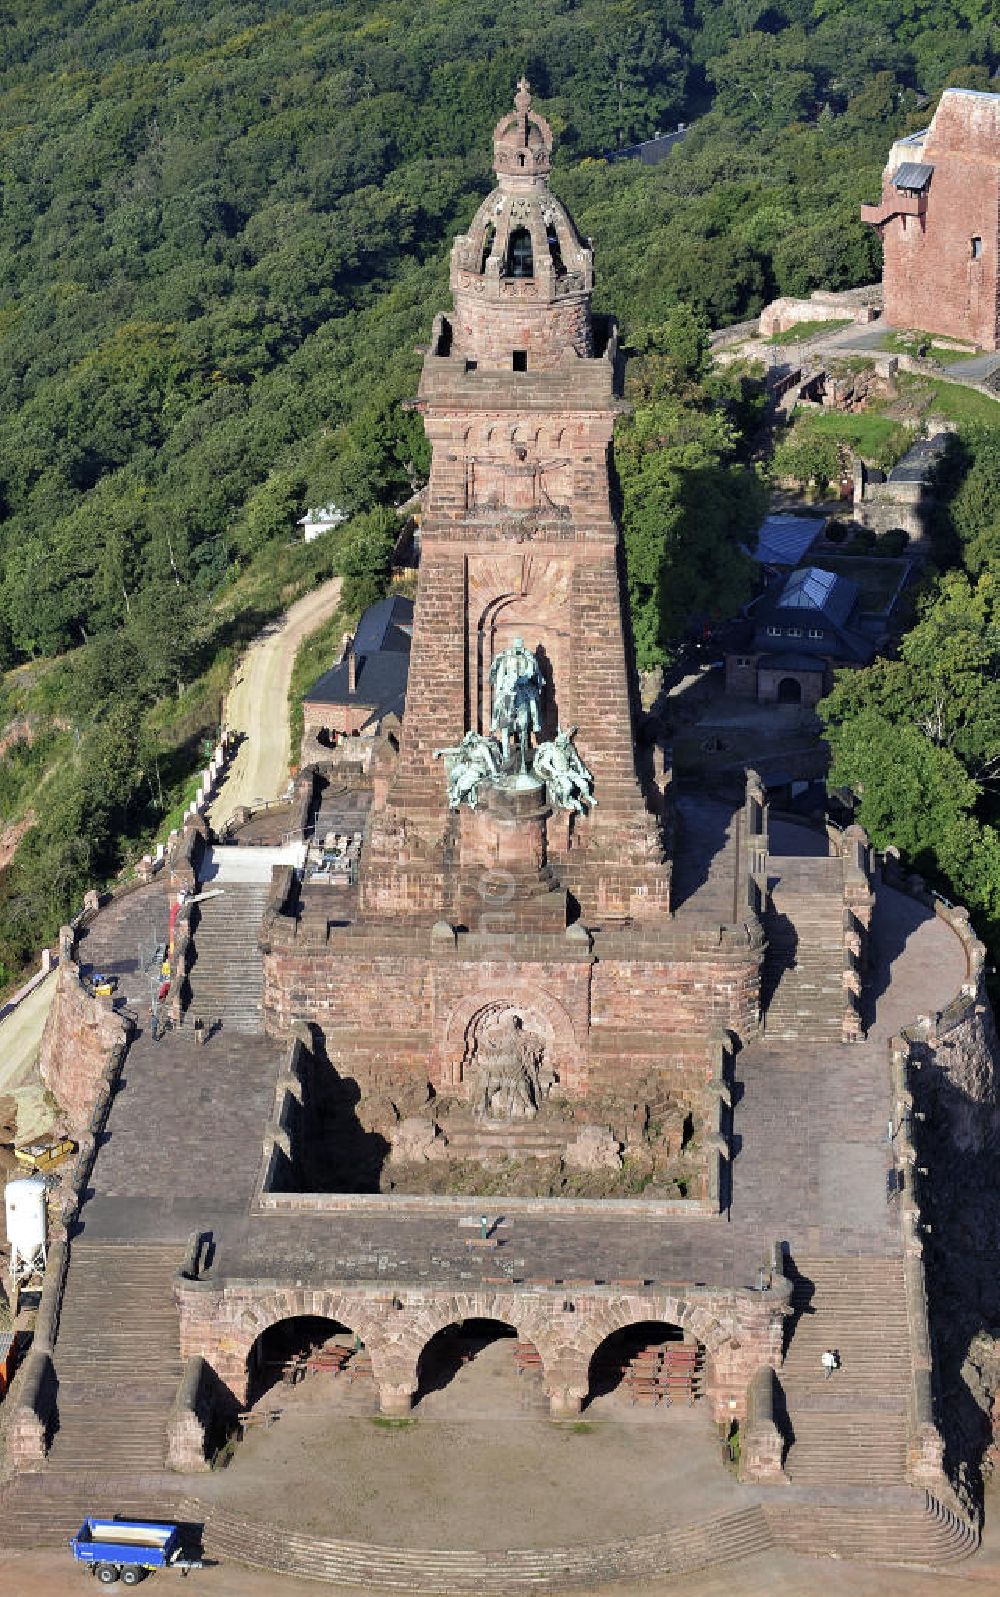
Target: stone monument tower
[[519, 393], [511, 934]]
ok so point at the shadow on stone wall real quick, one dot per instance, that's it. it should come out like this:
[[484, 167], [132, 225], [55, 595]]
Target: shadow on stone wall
[[959, 1140], [342, 1154]]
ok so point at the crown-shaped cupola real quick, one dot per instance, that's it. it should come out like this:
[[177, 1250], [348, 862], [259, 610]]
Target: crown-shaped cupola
[[522, 276], [522, 144]]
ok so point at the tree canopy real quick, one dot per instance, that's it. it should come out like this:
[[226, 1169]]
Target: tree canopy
[[223, 229]]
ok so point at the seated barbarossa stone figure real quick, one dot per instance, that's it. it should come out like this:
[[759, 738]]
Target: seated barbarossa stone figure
[[470, 762], [569, 782], [509, 1080]]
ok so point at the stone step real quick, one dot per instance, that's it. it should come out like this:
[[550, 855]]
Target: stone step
[[117, 1358], [924, 1533], [445, 1571], [226, 975], [859, 1448]]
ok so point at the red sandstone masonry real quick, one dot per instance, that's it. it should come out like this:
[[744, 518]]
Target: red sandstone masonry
[[741, 1330], [932, 278], [81, 1033]]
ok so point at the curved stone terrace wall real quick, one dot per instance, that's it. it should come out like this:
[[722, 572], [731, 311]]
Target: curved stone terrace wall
[[960, 1039]]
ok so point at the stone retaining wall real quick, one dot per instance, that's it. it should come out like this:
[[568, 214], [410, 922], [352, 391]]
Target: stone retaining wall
[[762, 1445], [739, 1329], [81, 1034], [959, 1043]]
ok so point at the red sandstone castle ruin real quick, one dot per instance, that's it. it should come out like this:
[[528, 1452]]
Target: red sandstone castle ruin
[[939, 218]]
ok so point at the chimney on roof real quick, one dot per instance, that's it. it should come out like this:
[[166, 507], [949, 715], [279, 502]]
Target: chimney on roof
[[352, 662]]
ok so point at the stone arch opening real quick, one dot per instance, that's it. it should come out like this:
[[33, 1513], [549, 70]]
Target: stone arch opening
[[520, 255], [789, 691], [519, 1090], [646, 1363], [540, 1014], [300, 1345], [457, 1345]]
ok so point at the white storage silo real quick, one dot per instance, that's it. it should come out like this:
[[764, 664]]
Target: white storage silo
[[26, 1226]]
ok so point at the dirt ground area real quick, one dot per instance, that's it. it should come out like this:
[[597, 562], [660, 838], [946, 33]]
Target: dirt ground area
[[480, 1439], [716, 733], [20, 1040], [330, 1467], [258, 706]]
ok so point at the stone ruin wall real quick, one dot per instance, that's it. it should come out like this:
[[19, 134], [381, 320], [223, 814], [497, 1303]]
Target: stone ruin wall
[[81, 1033], [739, 1329], [959, 1048], [392, 1012], [931, 280]]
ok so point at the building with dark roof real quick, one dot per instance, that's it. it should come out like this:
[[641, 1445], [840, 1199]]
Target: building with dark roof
[[649, 151], [803, 627], [784, 539], [906, 497], [368, 682]]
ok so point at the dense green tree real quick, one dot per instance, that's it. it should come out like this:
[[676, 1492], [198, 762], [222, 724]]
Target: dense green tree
[[687, 501], [918, 739], [365, 562]]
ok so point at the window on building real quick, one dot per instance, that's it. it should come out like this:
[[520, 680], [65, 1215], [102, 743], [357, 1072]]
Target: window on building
[[816, 632], [977, 248], [520, 360], [743, 661], [520, 261], [774, 632], [554, 248], [795, 632], [488, 237]]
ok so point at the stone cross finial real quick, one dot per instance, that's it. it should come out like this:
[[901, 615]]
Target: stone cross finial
[[522, 99]]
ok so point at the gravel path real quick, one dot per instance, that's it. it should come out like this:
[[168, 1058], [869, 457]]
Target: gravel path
[[258, 705], [20, 1039]]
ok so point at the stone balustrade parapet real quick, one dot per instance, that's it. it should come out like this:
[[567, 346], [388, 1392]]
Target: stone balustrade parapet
[[925, 1444], [385, 1205]]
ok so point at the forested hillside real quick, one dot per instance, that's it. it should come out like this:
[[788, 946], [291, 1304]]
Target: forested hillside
[[222, 230]]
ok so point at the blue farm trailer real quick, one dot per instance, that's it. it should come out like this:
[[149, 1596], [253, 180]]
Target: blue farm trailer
[[127, 1549]]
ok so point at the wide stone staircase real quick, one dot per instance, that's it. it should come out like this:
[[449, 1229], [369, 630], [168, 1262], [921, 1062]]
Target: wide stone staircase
[[226, 979], [117, 1359], [848, 1497], [494, 1574], [850, 1429], [802, 982], [45, 1509], [894, 1527]]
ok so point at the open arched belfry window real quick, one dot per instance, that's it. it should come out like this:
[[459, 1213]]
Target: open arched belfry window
[[520, 260]]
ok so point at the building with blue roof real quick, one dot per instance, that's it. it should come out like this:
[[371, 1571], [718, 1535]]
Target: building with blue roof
[[784, 540], [804, 626]]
